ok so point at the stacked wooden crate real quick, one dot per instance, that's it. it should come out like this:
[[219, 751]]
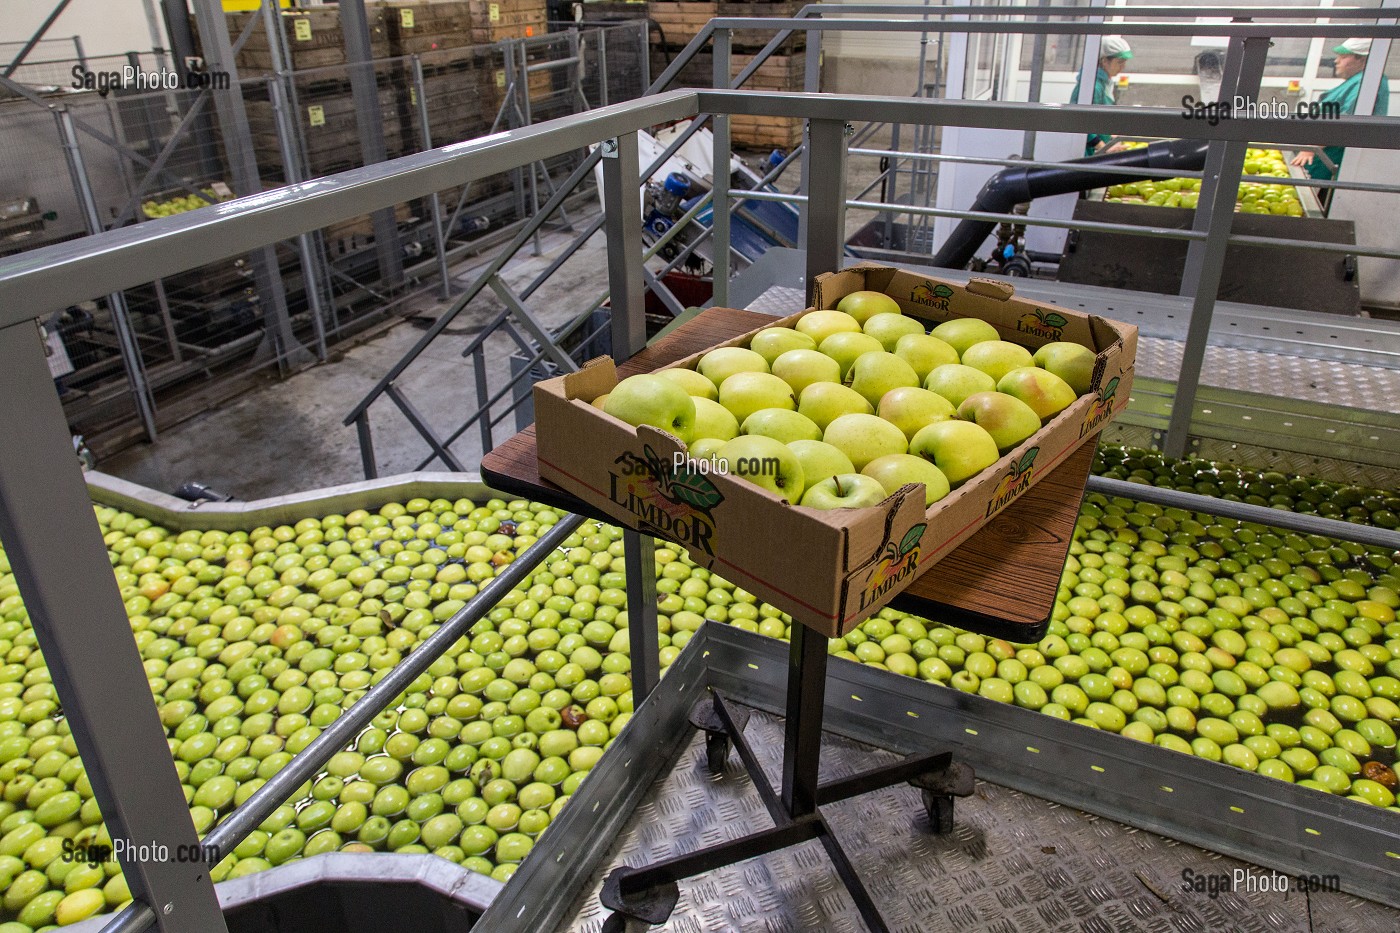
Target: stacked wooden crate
[[494, 20], [314, 39], [418, 26], [777, 73]]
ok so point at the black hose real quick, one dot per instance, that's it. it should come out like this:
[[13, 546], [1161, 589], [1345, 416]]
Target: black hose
[[1013, 186]]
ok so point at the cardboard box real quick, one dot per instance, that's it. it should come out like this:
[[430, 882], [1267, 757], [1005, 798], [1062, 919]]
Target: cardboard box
[[829, 569]]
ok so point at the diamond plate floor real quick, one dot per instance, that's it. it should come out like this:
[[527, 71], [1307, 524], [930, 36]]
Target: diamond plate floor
[[1326, 381], [1013, 864]]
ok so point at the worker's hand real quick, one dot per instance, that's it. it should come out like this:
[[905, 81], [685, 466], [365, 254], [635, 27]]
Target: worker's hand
[[1302, 159], [1116, 147]]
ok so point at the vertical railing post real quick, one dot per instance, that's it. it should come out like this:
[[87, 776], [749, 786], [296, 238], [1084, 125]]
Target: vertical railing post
[[1205, 258], [434, 200], [719, 205], [55, 548], [826, 203], [362, 431], [283, 123]]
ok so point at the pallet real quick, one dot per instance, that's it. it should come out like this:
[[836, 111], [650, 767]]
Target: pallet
[[494, 20], [765, 132], [314, 39], [681, 22], [417, 26], [615, 11]]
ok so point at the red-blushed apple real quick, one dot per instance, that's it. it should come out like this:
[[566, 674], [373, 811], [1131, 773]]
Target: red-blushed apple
[[910, 408], [772, 342], [824, 402], [820, 460], [844, 491], [888, 328], [1008, 420], [863, 305], [955, 382], [745, 393], [714, 420], [782, 424], [766, 463], [1070, 361], [820, 325], [896, 470], [801, 368], [924, 352], [961, 333], [695, 385], [960, 449], [846, 347], [1046, 393], [722, 362], [864, 438], [996, 358], [874, 374], [656, 401]]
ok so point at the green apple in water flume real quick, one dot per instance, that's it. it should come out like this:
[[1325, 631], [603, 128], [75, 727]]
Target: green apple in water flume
[[801, 368], [656, 401]]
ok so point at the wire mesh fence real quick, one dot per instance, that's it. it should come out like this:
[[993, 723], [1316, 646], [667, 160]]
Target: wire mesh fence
[[144, 154]]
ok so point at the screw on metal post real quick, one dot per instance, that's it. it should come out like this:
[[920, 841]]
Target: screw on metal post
[[849, 130], [609, 147]]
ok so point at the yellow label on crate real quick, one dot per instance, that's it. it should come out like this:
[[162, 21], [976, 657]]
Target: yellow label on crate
[[316, 115], [493, 12], [406, 18], [413, 96], [500, 79], [301, 29]]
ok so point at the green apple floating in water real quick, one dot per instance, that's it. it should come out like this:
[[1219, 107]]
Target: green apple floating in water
[[820, 325], [765, 462], [1008, 420], [864, 438], [782, 424], [773, 342], [888, 328], [801, 368], [695, 385], [863, 305], [961, 333], [996, 358], [1070, 361], [824, 402], [874, 374], [847, 347], [910, 408], [745, 393], [1046, 393], [960, 449], [820, 460], [955, 382], [714, 420], [896, 470], [721, 363], [844, 491], [653, 400], [924, 352]]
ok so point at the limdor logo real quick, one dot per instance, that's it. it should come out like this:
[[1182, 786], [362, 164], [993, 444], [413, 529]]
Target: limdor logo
[[675, 504], [1102, 409], [1015, 482], [899, 563], [1047, 325], [933, 296]]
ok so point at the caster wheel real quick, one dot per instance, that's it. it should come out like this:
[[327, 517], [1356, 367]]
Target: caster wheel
[[716, 752], [621, 923], [940, 812]]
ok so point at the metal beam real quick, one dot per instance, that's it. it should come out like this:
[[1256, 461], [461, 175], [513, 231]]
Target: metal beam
[[826, 205], [38, 35], [622, 209], [55, 547]]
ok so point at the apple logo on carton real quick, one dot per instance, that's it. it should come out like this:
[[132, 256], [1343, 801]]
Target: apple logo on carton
[[1102, 409], [1015, 482], [899, 562], [1042, 324], [932, 296], [675, 504]]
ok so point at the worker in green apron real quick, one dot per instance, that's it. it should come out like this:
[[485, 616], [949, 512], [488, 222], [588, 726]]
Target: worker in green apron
[[1113, 58], [1349, 65]]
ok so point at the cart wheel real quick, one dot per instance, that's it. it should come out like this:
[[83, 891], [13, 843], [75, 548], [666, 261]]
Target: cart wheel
[[939, 808], [716, 752], [621, 923]]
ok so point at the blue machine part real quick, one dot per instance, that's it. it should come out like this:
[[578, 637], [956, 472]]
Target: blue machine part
[[678, 184]]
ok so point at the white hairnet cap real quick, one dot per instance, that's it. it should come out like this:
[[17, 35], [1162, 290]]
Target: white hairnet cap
[[1353, 47], [1117, 47]]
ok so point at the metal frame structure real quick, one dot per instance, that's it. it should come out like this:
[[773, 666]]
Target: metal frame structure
[[45, 515]]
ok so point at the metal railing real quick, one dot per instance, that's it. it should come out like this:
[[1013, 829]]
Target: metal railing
[[46, 519]]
